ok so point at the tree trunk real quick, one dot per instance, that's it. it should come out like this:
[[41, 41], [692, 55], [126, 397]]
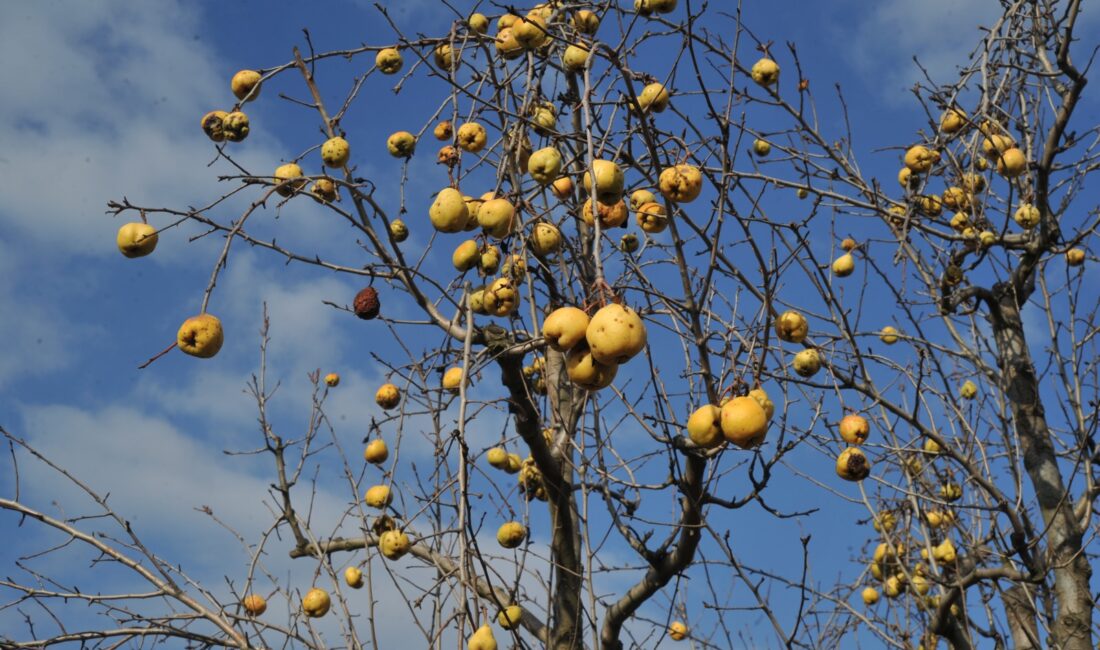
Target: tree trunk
[[1072, 625]]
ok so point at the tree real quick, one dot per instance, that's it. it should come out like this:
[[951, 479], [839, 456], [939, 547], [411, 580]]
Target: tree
[[725, 348]]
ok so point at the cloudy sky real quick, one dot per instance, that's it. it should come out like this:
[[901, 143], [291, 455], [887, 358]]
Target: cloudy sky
[[102, 101]]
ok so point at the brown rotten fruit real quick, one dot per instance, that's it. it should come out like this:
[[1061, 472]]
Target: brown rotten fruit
[[852, 465], [366, 303]]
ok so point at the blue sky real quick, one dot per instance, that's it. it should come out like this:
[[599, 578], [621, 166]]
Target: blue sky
[[105, 102]]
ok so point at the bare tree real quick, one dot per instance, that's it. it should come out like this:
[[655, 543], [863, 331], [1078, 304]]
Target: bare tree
[[774, 311]]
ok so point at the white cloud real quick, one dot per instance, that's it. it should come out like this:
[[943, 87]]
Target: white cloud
[[882, 39]]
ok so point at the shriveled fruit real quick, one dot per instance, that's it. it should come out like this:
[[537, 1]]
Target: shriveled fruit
[[920, 158], [389, 60], [807, 362], [472, 137], [765, 72], [401, 144], [852, 465]]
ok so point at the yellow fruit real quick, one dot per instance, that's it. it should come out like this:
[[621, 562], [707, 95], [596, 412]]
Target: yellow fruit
[[575, 57], [472, 137], [854, 429], [212, 125], [509, 618], [545, 239], [1011, 163], [254, 604], [996, 144], [565, 327], [764, 401], [609, 181], [445, 56], [744, 422], [807, 362], [638, 198], [378, 496], [920, 585], [585, 371], [905, 177], [489, 260], [681, 183], [449, 212], [245, 85], [677, 631], [200, 336], [951, 492], [705, 426], [586, 22], [511, 534], [654, 97], [852, 465], [1027, 216], [354, 577], [920, 158], [514, 463], [844, 265], [893, 587], [562, 188], [960, 222], [235, 126], [530, 31], [652, 218], [945, 552], [765, 72], [792, 327], [332, 380], [761, 147], [628, 243], [482, 639], [615, 334], [870, 596], [888, 335], [1075, 257], [316, 602], [376, 452], [136, 239], [389, 60], [802, 193], [388, 396], [394, 544], [401, 144], [452, 379], [968, 390], [478, 22], [466, 255], [972, 183], [323, 189], [497, 217], [932, 447], [444, 130], [335, 152], [956, 198], [501, 297], [288, 172], [885, 522], [544, 165], [544, 117], [497, 457], [953, 120], [987, 238]]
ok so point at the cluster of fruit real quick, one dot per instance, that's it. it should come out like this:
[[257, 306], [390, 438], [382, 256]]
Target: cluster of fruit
[[595, 347]]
